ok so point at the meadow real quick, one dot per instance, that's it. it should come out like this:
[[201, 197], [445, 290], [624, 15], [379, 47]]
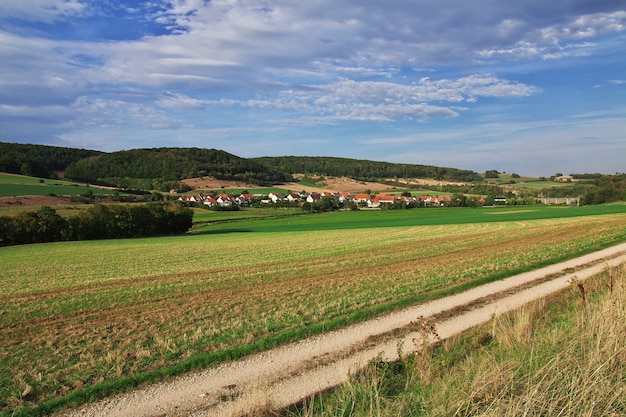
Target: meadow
[[19, 185], [81, 320]]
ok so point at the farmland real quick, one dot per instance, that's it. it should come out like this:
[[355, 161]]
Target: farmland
[[80, 320], [18, 185]]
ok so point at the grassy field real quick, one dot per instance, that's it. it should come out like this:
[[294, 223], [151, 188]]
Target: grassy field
[[18, 185], [80, 320], [401, 218], [22, 179], [562, 357], [204, 218]]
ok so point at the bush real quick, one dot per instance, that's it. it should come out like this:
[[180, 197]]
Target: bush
[[96, 222]]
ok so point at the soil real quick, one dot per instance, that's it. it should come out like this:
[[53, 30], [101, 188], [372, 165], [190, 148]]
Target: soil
[[33, 201], [330, 184], [283, 376]]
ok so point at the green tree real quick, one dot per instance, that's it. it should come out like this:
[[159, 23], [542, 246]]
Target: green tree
[[43, 225]]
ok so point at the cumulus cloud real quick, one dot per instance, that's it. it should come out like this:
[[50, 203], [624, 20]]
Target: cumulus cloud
[[387, 101], [562, 39]]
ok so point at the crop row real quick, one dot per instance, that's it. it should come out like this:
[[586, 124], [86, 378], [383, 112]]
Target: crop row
[[74, 315]]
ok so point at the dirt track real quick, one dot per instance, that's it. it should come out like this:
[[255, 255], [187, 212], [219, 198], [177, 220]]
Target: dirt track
[[285, 375]]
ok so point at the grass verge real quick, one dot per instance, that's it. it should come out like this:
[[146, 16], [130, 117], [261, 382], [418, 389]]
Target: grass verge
[[564, 356]]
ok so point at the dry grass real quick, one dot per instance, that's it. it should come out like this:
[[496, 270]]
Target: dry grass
[[562, 358]]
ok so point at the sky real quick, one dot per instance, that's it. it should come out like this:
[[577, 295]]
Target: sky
[[532, 87]]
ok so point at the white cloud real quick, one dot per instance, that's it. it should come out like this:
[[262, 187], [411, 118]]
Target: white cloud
[[179, 101], [386, 101], [46, 11], [561, 39]]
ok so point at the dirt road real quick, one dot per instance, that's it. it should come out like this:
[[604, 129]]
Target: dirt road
[[284, 375]]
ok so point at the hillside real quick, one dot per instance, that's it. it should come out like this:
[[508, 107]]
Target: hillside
[[39, 160], [164, 165], [364, 170]]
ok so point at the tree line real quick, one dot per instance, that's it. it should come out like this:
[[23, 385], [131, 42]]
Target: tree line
[[96, 222], [39, 160], [592, 189], [364, 170]]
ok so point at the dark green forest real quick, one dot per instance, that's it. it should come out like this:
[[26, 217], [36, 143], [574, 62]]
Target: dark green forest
[[157, 166], [364, 170], [39, 160]]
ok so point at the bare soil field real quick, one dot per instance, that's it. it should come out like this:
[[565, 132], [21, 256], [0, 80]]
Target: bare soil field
[[285, 375], [330, 184], [33, 201]]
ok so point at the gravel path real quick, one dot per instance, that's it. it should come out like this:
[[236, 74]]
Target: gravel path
[[285, 375]]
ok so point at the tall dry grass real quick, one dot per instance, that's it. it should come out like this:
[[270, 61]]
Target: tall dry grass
[[560, 357]]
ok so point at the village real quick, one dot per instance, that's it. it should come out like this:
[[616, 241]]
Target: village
[[296, 198]]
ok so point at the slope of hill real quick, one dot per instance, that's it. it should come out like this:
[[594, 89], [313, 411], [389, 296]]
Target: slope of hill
[[171, 164], [39, 160], [364, 170]]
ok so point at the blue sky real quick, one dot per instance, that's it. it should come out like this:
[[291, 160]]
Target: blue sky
[[533, 87]]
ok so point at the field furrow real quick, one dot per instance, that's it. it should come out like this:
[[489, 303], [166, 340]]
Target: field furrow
[[79, 314]]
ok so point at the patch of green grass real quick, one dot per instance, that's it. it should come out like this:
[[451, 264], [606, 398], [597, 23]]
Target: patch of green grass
[[16, 190], [22, 179], [204, 216], [369, 219]]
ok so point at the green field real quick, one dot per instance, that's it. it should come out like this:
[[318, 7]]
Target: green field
[[21, 179], [19, 185], [80, 320], [372, 219]]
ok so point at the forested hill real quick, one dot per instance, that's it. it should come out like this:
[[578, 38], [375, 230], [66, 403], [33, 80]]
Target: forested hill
[[364, 170], [38, 160], [163, 168], [170, 164]]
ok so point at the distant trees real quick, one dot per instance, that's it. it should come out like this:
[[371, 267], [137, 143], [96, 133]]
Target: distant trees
[[364, 170], [96, 222], [38, 160], [328, 203], [592, 188], [160, 168]]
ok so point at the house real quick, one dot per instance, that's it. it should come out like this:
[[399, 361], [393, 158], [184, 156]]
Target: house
[[361, 198], [244, 199], [385, 199], [191, 198], [313, 197], [426, 199], [225, 200], [276, 197], [294, 197], [343, 197]]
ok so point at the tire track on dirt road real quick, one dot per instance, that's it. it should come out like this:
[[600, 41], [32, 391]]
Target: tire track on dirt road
[[283, 376]]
